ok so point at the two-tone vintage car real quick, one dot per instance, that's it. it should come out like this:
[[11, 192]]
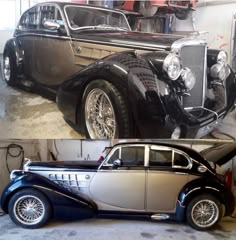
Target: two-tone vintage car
[[111, 82], [148, 179]]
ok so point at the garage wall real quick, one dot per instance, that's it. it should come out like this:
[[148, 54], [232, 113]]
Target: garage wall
[[31, 149], [216, 18]]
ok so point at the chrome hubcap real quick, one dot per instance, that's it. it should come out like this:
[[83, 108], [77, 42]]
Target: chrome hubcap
[[99, 115], [205, 213], [6, 68], [29, 210]]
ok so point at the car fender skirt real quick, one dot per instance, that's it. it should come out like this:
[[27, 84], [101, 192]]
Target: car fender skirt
[[58, 196]]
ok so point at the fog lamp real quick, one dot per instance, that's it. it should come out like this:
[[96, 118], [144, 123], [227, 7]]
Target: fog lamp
[[189, 78], [218, 71]]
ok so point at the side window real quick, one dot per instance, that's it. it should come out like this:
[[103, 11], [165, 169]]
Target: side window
[[50, 13], [180, 161], [160, 158], [114, 156], [29, 20], [132, 156], [24, 21], [33, 18]]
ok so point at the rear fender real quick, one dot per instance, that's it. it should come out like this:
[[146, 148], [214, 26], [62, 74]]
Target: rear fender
[[14, 46]]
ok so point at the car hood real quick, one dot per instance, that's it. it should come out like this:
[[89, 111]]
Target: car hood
[[61, 165], [220, 153], [137, 40]]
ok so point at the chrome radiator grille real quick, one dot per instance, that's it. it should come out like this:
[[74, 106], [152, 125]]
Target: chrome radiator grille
[[194, 57]]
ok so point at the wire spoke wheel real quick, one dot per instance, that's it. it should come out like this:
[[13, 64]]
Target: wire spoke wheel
[[6, 68], [205, 213], [29, 210], [99, 115]]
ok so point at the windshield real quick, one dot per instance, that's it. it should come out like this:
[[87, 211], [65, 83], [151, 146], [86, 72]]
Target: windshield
[[82, 17]]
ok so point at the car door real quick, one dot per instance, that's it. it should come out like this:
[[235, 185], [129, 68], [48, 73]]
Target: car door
[[166, 176], [123, 187]]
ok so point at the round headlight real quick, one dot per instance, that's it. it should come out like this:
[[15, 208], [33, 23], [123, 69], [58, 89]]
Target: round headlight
[[218, 71], [222, 57], [189, 78], [172, 66]]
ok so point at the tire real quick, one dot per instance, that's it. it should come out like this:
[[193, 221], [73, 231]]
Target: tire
[[117, 123], [9, 67], [201, 204], [41, 212], [182, 14]]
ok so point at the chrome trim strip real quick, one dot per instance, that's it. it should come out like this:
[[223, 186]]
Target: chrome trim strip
[[86, 6], [195, 189], [212, 188], [123, 43], [42, 35]]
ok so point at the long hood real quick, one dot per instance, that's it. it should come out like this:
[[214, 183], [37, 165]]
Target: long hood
[[135, 40], [61, 165], [220, 153]]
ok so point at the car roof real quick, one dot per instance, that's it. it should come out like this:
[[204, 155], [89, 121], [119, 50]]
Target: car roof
[[192, 153]]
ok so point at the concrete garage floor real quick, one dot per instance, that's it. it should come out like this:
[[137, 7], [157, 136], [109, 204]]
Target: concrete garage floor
[[27, 115], [115, 229]]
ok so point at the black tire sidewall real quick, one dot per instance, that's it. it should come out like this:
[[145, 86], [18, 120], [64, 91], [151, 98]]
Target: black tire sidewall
[[193, 202], [37, 194], [119, 105], [12, 59]]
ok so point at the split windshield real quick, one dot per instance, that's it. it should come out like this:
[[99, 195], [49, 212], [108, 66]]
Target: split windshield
[[81, 17]]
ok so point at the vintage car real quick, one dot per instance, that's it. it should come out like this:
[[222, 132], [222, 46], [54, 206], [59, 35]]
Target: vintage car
[[114, 83], [140, 179]]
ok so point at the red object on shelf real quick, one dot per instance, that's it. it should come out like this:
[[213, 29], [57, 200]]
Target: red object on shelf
[[228, 178]]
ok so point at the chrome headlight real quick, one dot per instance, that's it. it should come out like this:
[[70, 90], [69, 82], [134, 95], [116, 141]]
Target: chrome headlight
[[222, 57], [218, 71], [189, 78], [172, 66]]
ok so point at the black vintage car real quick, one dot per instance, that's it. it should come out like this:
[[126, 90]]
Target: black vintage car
[[114, 83], [154, 180]]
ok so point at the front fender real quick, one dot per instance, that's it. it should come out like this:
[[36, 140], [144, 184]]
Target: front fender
[[145, 105], [57, 196]]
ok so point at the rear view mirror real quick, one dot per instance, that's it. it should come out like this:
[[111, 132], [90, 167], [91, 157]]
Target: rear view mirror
[[51, 25]]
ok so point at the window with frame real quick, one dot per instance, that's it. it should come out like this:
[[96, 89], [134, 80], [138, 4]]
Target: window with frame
[[33, 18], [132, 156], [160, 158], [180, 161], [114, 156]]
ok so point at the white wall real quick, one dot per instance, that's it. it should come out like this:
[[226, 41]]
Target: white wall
[[215, 18], [31, 149]]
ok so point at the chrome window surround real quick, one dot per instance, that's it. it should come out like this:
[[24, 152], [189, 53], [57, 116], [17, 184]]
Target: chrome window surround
[[174, 150], [47, 4], [193, 41], [108, 10], [147, 148]]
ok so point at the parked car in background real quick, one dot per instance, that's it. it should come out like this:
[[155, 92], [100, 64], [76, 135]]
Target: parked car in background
[[148, 8], [111, 82], [158, 181]]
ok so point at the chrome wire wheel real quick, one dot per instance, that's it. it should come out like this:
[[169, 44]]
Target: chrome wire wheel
[[6, 68], [205, 213], [29, 210], [99, 115]]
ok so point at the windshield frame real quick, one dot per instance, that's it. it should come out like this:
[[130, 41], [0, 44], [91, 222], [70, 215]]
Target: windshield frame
[[92, 27]]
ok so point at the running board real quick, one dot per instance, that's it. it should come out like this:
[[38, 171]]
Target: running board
[[160, 216]]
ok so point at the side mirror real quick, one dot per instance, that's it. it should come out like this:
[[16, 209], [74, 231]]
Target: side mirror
[[117, 163], [51, 25]]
